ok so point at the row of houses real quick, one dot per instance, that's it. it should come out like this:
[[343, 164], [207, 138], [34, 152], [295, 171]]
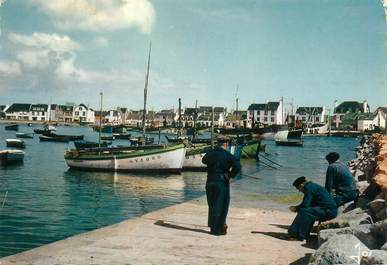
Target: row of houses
[[346, 115], [47, 112]]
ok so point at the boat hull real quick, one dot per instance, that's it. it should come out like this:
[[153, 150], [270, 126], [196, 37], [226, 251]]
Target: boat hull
[[193, 162], [157, 160], [8, 157]]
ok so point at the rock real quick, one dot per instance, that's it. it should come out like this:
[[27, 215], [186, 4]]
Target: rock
[[378, 209], [374, 257], [351, 218], [340, 249], [380, 230], [325, 235], [363, 232], [362, 186], [377, 205]]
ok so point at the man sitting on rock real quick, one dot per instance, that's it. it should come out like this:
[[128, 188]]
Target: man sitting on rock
[[339, 180], [317, 205]]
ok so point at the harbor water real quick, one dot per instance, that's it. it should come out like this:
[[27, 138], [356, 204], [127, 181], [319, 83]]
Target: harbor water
[[42, 201]]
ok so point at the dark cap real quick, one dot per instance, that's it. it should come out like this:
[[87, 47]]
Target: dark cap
[[299, 181], [332, 157], [222, 139]]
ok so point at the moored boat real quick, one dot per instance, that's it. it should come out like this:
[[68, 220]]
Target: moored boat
[[168, 158], [24, 135], [11, 157], [12, 127], [250, 149], [82, 144], [15, 143], [122, 136], [297, 142], [53, 139], [70, 137], [193, 158]]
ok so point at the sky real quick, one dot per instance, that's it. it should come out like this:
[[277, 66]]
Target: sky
[[311, 52]]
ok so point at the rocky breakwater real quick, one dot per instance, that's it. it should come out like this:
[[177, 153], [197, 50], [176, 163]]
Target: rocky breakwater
[[359, 233]]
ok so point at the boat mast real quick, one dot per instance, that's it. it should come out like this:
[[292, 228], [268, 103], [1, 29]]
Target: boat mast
[[100, 121], [195, 117], [180, 127], [236, 101], [145, 93]]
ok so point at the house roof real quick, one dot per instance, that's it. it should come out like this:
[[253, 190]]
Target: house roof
[[189, 111], [17, 107], [2, 107], [39, 107], [271, 105], [66, 108], [104, 113], [366, 116], [384, 109], [350, 106], [53, 106], [309, 110]]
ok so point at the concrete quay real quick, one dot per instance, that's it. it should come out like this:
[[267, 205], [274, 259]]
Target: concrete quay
[[178, 235]]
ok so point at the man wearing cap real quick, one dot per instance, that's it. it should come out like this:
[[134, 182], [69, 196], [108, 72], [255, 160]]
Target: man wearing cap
[[339, 180], [221, 166], [317, 205]]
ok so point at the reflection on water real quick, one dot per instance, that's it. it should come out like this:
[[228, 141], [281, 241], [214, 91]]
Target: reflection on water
[[46, 201]]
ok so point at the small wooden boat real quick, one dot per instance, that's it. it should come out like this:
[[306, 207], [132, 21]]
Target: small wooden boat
[[15, 143], [82, 144], [24, 135], [122, 136], [54, 139], [70, 137], [11, 157], [167, 158], [12, 127], [250, 149], [290, 142]]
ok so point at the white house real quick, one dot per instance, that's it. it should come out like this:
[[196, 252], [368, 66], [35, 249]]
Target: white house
[[349, 107], [3, 108], [310, 115], [18, 111], [268, 114], [380, 117], [39, 112], [83, 114]]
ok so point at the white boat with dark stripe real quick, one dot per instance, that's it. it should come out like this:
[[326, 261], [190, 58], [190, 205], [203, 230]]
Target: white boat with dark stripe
[[168, 158]]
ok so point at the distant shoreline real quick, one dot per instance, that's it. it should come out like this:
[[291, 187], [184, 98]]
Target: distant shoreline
[[37, 122]]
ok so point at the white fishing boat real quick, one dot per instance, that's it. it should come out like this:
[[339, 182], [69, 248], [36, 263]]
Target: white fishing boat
[[15, 143], [168, 158], [193, 157], [11, 157]]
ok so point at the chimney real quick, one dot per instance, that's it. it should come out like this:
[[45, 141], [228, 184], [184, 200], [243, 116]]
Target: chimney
[[366, 108]]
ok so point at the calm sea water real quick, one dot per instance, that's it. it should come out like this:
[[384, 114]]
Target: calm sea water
[[44, 201]]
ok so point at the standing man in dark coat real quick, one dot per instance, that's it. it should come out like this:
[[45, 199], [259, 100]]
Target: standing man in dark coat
[[317, 205], [339, 180], [221, 166]]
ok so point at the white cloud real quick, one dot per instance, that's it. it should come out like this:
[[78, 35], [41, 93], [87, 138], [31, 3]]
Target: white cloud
[[34, 58], [95, 15], [9, 68], [53, 42], [101, 41]]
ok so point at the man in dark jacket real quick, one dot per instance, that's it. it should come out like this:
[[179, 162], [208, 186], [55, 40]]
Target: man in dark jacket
[[221, 166], [339, 180], [317, 205]]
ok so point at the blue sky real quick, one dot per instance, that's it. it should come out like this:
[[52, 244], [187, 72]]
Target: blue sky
[[309, 52]]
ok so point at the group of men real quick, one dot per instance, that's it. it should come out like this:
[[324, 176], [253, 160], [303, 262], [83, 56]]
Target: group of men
[[319, 203]]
